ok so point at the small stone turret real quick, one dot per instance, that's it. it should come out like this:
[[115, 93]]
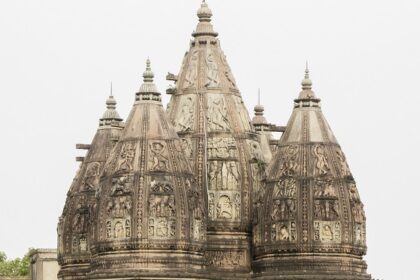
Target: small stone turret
[[309, 220], [149, 218], [74, 227]]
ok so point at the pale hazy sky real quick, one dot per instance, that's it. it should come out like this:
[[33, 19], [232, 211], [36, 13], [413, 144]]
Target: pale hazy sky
[[57, 59]]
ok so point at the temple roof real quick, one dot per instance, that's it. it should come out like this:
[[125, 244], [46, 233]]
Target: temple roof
[[309, 203], [74, 224], [148, 198]]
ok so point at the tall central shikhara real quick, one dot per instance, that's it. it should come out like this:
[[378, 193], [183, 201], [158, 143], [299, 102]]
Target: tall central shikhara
[[201, 192]]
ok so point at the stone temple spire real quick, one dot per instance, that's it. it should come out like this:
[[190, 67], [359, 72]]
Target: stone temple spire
[[309, 219], [210, 116], [149, 216], [75, 228]]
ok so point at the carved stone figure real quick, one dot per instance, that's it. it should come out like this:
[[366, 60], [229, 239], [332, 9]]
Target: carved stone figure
[[122, 185], [187, 147], [327, 231], [159, 159], [285, 189], [289, 166], [119, 207], [326, 209], [221, 148], [321, 162], [344, 168], [217, 114], [283, 209], [192, 72], [227, 71], [224, 207], [125, 162], [212, 70], [255, 150], [358, 212], [324, 188], [186, 119], [353, 193], [91, 179]]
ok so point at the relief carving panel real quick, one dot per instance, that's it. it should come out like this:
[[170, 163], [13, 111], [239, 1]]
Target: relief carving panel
[[224, 205], [186, 115], [217, 114], [192, 72], [222, 148], [213, 79], [327, 231], [223, 175], [158, 156]]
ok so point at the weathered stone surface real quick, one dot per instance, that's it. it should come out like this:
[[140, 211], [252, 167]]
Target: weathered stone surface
[[75, 224], [309, 221]]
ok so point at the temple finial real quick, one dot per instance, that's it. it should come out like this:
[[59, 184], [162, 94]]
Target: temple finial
[[306, 82], [259, 96], [111, 90], [148, 74]]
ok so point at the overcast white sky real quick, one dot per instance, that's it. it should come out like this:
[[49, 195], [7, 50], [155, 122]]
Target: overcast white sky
[[57, 59]]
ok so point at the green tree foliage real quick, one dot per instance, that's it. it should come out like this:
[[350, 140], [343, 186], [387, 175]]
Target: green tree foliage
[[15, 267]]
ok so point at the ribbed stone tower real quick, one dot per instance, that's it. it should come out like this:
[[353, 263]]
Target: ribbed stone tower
[[210, 117], [310, 222], [149, 216], [74, 234]]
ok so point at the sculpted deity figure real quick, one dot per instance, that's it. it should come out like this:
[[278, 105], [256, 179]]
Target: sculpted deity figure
[[212, 70], [192, 72], [187, 147], [284, 233], [118, 230], [345, 170], [354, 194], [91, 179], [327, 233], [224, 207], [126, 157], [233, 175], [321, 160], [358, 212], [217, 115], [187, 115], [289, 167], [159, 160]]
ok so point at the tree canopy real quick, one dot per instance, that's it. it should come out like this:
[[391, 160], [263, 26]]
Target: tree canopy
[[14, 267]]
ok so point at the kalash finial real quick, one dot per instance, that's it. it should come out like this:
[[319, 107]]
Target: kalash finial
[[204, 13], [148, 74], [148, 90], [306, 82]]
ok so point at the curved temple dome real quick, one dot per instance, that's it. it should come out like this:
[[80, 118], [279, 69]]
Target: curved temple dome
[[209, 114], [149, 216], [74, 234], [310, 222]]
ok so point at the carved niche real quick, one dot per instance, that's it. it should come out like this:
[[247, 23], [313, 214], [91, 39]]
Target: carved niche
[[283, 212], [158, 156], [217, 114], [126, 158], [221, 148], [213, 79], [91, 179], [223, 175], [162, 212], [186, 114], [327, 231], [224, 205], [290, 165], [322, 167], [118, 208], [326, 205], [192, 72]]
